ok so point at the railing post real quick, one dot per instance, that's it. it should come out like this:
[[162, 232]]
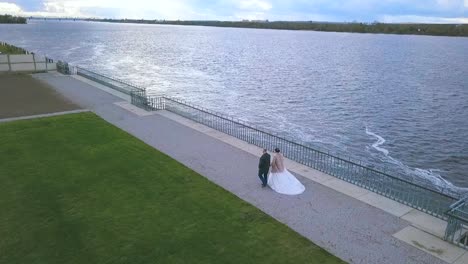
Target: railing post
[[34, 61], [9, 62]]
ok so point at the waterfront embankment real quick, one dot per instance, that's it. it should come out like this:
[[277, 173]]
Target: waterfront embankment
[[351, 223], [77, 189], [324, 92]]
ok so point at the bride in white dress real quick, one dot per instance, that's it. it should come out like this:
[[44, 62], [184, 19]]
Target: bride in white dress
[[281, 180]]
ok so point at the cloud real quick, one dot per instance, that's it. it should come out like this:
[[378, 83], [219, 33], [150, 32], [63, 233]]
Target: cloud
[[445, 3], [9, 8], [424, 19], [49, 9], [251, 9], [255, 5], [173, 9], [317, 10], [52, 8]]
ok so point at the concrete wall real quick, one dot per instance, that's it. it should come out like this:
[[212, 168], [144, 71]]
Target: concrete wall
[[25, 63], [3, 59], [4, 67]]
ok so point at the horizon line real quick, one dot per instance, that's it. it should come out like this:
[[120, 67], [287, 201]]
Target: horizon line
[[241, 20]]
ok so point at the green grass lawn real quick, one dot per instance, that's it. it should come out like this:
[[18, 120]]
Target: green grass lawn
[[75, 189]]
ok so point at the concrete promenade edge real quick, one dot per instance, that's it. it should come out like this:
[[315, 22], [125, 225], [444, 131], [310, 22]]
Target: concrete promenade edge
[[346, 227]]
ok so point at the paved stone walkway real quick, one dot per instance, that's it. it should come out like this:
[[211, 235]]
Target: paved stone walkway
[[346, 227]]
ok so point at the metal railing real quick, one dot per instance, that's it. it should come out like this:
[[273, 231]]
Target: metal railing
[[157, 103], [116, 84], [401, 190], [139, 98], [413, 194], [457, 223], [64, 68]]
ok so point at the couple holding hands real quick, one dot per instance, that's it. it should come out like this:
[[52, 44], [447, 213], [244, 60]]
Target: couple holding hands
[[279, 178]]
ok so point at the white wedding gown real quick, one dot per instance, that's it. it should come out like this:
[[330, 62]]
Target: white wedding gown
[[284, 182]]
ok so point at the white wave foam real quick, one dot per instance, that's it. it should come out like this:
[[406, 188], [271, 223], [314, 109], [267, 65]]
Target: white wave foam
[[379, 142], [98, 50], [431, 175]]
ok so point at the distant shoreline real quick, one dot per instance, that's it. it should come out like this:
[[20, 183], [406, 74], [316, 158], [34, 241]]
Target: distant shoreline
[[457, 30], [7, 19]]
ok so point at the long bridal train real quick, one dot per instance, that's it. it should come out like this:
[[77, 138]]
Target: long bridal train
[[281, 180], [285, 183]]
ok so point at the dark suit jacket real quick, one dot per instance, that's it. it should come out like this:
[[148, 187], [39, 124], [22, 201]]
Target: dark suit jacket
[[264, 163]]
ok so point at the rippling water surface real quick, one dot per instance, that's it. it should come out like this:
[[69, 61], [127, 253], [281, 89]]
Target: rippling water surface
[[398, 101]]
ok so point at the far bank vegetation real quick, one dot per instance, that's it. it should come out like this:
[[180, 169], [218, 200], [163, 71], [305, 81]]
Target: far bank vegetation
[[8, 19], [376, 27]]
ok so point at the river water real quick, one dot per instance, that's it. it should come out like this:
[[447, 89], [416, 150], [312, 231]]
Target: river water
[[388, 100]]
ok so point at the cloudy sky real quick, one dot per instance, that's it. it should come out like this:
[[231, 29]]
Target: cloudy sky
[[438, 11]]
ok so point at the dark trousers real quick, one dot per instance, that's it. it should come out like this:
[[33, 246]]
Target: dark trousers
[[263, 175]]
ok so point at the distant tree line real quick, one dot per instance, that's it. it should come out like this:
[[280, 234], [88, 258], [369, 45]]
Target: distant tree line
[[376, 27], [8, 19]]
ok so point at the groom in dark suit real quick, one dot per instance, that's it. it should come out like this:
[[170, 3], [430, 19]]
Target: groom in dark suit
[[264, 167]]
